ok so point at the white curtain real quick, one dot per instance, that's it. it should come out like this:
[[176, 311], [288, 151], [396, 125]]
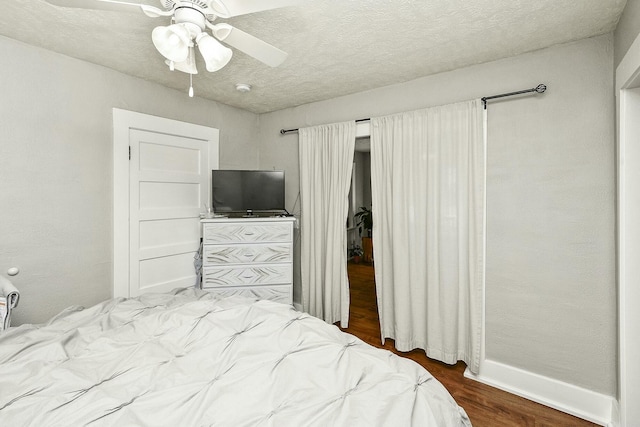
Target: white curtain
[[326, 161], [428, 192]]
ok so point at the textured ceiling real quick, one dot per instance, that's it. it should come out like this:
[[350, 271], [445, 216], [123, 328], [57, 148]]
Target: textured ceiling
[[335, 47]]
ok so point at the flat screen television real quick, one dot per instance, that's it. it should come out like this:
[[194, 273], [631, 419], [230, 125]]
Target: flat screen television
[[247, 191]]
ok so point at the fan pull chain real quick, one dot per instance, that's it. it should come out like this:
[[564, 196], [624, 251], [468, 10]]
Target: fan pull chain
[[191, 85]]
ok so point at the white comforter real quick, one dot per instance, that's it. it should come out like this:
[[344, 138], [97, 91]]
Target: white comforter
[[190, 359]]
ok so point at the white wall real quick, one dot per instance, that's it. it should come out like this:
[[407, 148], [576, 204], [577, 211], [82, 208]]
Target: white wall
[[627, 30], [551, 305], [56, 169]]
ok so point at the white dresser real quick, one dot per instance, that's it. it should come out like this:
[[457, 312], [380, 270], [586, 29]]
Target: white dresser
[[248, 256]]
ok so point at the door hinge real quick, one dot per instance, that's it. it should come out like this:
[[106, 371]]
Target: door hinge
[[129, 152]]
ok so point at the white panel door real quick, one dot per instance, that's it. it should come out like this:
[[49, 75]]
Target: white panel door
[[168, 188], [161, 183]]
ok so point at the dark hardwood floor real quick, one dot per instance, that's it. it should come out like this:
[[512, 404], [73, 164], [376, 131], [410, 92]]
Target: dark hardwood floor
[[486, 406]]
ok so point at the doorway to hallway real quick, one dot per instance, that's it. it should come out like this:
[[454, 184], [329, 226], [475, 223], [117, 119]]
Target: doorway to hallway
[[363, 306]]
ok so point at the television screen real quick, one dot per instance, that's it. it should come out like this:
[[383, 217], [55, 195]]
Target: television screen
[[247, 190]]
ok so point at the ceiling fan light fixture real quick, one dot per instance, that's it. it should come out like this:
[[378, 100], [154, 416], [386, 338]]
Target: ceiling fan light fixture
[[172, 42], [189, 20], [215, 55]]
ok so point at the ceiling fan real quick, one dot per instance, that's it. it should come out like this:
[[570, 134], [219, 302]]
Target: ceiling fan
[[189, 21]]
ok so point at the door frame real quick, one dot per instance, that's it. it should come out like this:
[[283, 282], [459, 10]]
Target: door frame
[[123, 121], [628, 241]]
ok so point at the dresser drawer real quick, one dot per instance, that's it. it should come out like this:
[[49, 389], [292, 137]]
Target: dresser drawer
[[254, 232], [273, 293], [246, 254], [265, 274]]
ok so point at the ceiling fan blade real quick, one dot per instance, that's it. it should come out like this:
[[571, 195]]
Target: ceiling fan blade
[[243, 7], [252, 46], [111, 5]]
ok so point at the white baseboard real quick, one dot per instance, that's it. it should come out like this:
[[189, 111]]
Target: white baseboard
[[586, 404]]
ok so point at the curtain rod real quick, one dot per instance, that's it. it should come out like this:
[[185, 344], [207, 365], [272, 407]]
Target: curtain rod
[[538, 89], [285, 131]]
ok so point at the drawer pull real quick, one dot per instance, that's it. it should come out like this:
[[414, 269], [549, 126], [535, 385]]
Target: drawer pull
[[248, 233]]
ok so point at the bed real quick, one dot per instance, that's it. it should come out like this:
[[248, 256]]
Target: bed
[[188, 358]]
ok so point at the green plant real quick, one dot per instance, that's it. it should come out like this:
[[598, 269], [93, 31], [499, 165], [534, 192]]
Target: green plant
[[355, 251], [364, 220]]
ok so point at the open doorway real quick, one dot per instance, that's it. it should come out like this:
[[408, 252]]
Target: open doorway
[[363, 307], [359, 200]]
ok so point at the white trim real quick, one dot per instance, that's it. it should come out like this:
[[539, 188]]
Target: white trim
[[577, 401], [622, 255], [627, 77], [123, 121]]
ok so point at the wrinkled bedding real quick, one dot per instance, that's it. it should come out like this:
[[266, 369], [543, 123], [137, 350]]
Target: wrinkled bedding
[[191, 359]]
